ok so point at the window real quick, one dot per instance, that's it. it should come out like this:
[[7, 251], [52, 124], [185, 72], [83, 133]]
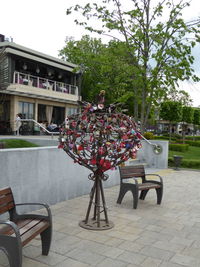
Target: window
[[71, 111], [27, 110]]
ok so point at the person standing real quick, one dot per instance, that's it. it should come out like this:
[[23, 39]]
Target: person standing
[[18, 124]]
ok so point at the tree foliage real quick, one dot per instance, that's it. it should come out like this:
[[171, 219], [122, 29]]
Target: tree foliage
[[188, 114], [171, 111], [105, 67], [157, 44], [196, 118]]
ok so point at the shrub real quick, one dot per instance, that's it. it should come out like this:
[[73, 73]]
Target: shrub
[[185, 163], [149, 135], [179, 147], [196, 138], [162, 137], [193, 143], [192, 164]]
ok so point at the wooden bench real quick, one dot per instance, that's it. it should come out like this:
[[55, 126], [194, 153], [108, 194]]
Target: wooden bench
[[20, 229], [144, 185]]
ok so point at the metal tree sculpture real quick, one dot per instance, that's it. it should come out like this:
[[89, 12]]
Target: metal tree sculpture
[[99, 141]]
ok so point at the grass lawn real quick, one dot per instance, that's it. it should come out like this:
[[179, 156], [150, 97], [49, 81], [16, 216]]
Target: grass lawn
[[17, 143], [191, 158], [193, 153]]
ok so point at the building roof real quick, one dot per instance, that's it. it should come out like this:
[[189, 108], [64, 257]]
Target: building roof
[[15, 49]]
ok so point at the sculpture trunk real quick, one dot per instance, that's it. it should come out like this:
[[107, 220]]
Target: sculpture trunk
[[98, 200]]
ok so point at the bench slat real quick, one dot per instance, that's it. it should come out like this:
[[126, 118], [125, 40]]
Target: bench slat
[[6, 230], [28, 226], [6, 199], [5, 191], [148, 186], [34, 231], [6, 208], [28, 229]]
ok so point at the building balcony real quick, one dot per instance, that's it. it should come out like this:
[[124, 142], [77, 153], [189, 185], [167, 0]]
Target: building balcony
[[43, 83]]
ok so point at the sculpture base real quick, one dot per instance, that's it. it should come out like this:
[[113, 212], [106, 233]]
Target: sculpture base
[[93, 225]]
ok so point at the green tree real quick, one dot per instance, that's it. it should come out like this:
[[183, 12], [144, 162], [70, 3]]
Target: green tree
[[86, 53], [172, 112], [187, 117], [157, 42], [196, 119], [105, 67]]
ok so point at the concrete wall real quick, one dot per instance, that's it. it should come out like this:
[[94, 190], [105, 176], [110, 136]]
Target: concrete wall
[[153, 160], [48, 174], [45, 174]]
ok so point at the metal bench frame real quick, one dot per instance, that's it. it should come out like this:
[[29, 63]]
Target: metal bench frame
[[133, 173], [20, 229]]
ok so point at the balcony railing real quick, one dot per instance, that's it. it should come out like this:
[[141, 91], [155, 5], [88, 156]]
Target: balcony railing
[[43, 83]]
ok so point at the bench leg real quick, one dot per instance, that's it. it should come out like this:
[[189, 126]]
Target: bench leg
[[159, 192], [143, 194], [135, 197], [12, 249], [46, 240], [122, 193], [124, 189]]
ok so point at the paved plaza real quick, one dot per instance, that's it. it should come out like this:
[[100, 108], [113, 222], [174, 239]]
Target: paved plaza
[[166, 235]]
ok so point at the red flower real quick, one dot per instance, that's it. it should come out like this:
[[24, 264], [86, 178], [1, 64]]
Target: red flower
[[80, 147], [105, 164], [93, 161], [61, 145]]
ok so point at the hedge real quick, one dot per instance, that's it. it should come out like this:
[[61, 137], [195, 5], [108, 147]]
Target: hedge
[[193, 143], [185, 163], [196, 138], [179, 147]]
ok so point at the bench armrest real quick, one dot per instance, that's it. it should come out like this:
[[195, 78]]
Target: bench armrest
[[157, 175], [11, 225], [132, 180], [46, 206]]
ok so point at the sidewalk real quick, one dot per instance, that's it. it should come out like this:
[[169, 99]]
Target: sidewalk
[[166, 235]]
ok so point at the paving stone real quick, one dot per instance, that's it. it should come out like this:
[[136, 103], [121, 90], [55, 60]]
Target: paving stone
[[156, 236], [32, 251], [32, 263], [112, 253], [183, 241], [64, 245], [185, 260], [196, 244], [131, 246], [154, 228], [85, 256], [132, 258], [167, 245], [91, 235], [170, 264], [52, 259], [122, 235], [72, 263], [193, 252], [114, 242], [151, 262], [156, 253], [111, 263]]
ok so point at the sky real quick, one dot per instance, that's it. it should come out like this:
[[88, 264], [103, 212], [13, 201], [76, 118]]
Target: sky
[[43, 25]]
